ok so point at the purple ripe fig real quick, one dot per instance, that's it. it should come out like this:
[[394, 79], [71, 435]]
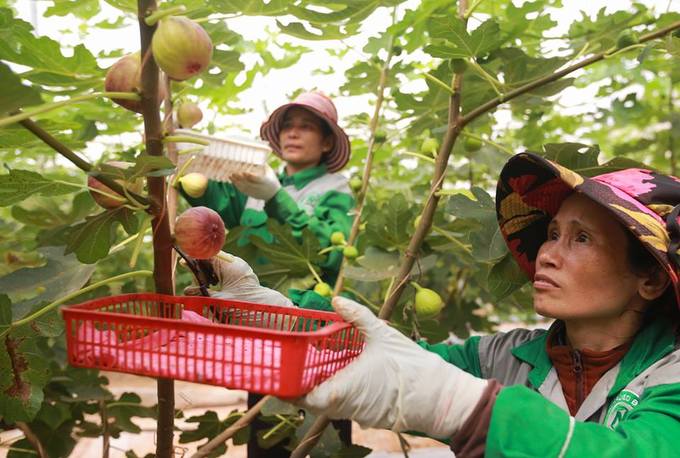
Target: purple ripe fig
[[181, 47], [124, 76], [188, 115]]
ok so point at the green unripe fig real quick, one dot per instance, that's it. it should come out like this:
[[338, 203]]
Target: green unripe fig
[[458, 66], [627, 38], [355, 184], [429, 146], [380, 136], [188, 115], [428, 303], [323, 289], [350, 252], [194, 184], [472, 144], [337, 238], [396, 51]]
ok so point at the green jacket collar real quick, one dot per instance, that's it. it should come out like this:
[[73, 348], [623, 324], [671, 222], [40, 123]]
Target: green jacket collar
[[652, 343], [303, 177]]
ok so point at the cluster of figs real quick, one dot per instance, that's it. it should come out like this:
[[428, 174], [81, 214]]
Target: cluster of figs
[[181, 48]]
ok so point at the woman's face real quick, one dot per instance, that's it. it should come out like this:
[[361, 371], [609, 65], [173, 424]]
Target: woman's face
[[582, 270], [301, 139]]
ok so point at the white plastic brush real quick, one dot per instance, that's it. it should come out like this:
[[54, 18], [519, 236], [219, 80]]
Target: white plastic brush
[[221, 157]]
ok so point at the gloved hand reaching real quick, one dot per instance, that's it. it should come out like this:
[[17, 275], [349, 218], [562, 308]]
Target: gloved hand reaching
[[237, 281], [394, 383], [260, 187]]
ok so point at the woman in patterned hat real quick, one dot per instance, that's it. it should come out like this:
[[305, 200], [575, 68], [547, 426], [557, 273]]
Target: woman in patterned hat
[[603, 380], [307, 193]]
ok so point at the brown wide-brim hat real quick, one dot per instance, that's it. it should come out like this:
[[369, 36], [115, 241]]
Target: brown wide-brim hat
[[321, 106], [531, 190]]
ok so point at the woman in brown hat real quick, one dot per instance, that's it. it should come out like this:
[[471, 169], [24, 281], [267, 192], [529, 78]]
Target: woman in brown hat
[[307, 193]]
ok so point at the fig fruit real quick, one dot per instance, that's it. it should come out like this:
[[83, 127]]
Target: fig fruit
[[181, 47], [194, 184], [124, 76], [110, 202], [428, 303], [627, 38], [472, 144], [200, 232], [355, 184], [350, 252], [323, 289], [337, 238], [188, 115], [458, 66], [429, 146]]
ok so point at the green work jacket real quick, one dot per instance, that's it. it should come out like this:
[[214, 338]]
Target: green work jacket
[[311, 198], [633, 410]]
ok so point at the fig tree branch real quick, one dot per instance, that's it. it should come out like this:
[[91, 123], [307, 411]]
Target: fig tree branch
[[51, 106], [162, 238], [455, 126], [491, 104], [32, 438], [321, 423], [225, 435], [82, 164]]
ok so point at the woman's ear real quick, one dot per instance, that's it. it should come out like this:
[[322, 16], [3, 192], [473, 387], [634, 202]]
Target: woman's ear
[[327, 144], [653, 285]]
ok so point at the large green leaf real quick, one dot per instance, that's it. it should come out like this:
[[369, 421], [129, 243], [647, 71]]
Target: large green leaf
[[17, 36], [289, 251], [91, 240], [60, 275], [209, 425], [505, 277], [389, 226], [17, 185], [457, 43], [13, 94]]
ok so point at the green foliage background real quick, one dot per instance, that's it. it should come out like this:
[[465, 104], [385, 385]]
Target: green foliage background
[[54, 240]]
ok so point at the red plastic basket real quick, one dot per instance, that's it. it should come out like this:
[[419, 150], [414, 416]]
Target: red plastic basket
[[283, 351]]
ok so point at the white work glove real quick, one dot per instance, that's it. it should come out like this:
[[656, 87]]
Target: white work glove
[[259, 187], [394, 383], [237, 281]]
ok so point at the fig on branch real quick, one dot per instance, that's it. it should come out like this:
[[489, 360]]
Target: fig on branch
[[627, 38], [337, 238], [181, 47], [428, 303], [109, 201], [188, 115], [472, 144], [350, 252], [200, 232], [429, 146], [323, 289], [194, 184], [355, 184], [125, 76]]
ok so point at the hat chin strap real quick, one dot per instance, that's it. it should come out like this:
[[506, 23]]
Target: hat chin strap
[[674, 231]]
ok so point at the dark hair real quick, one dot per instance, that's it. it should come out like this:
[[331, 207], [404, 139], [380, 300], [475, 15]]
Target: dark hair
[[642, 262]]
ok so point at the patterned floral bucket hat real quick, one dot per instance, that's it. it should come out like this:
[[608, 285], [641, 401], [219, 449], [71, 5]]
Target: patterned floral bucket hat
[[531, 189]]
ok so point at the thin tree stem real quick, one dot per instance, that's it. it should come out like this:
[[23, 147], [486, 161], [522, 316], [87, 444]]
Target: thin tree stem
[[225, 435], [32, 439]]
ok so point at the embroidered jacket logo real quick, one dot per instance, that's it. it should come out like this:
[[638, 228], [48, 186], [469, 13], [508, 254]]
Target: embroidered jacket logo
[[624, 402]]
